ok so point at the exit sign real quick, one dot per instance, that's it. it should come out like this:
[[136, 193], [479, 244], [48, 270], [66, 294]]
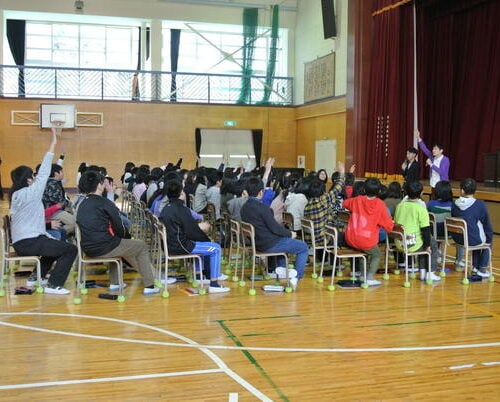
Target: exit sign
[[229, 123]]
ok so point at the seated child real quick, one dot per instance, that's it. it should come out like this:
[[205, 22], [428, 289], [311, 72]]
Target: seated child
[[479, 229], [415, 219]]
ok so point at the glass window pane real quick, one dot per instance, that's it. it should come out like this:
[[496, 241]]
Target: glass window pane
[[65, 43], [39, 55], [39, 42], [65, 58], [65, 30], [92, 31], [97, 45], [38, 29]]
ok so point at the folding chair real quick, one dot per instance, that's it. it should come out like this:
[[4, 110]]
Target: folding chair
[[210, 217], [307, 226], [458, 226], [397, 241], [331, 247], [162, 231], [248, 233], [236, 249], [288, 220], [83, 260], [440, 240], [10, 256]]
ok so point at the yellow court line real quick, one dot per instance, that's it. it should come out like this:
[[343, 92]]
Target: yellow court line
[[456, 300]]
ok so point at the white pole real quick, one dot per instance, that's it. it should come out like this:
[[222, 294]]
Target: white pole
[[415, 97]]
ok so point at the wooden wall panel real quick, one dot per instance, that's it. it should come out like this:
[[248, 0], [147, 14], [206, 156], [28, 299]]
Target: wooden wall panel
[[142, 133], [320, 121]]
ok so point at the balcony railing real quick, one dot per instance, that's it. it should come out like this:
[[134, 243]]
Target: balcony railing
[[138, 85]]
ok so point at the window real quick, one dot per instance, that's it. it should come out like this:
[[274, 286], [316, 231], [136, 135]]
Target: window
[[81, 45], [217, 49]]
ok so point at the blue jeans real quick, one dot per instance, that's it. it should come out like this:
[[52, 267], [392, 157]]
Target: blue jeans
[[213, 251], [480, 258], [292, 246]]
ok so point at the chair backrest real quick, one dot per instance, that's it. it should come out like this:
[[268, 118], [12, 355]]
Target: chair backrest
[[162, 232], [235, 231], [398, 236], [288, 220], [78, 236], [433, 224], [343, 217], [8, 233], [456, 226], [331, 237], [248, 233], [307, 227], [3, 243]]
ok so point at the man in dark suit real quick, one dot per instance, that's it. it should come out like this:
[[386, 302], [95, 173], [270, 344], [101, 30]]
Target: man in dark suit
[[410, 167]]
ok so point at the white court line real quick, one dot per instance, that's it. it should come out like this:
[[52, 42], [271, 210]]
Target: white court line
[[463, 366], [218, 361], [206, 348], [109, 379]]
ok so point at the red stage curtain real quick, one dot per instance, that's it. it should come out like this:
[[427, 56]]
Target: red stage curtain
[[390, 110], [459, 81]]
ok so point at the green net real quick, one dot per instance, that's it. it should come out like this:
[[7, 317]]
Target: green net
[[250, 16], [271, 63]]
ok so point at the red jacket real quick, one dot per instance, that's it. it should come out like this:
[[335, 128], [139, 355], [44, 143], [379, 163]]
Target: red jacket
[[368, 215]]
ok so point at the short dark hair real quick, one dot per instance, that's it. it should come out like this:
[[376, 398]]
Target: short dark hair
[[19, 177], [173, 189], [254, 186], [412, 150], [443, 191], [372, 187], [394, 190], [438, 145], [55, 169], [89, 181], [414, 189], [468, 186], [316, 188], [349, 179]]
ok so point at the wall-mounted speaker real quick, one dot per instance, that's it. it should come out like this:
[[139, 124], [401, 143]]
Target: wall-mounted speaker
[[329, 24]]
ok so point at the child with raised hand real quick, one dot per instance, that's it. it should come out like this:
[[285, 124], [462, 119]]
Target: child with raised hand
[[29, 236]]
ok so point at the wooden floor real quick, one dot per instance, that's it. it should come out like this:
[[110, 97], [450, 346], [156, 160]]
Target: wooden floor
[[439, 342]]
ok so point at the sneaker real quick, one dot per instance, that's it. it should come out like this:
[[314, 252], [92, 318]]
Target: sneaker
[[483, 274], [433, 276], [281, 273], [56, 290], [223, 277], [169, 280], [218, 289], [373, 282], [460, 263], [116, 287], [32, 282], [150, 291], [293, 283]]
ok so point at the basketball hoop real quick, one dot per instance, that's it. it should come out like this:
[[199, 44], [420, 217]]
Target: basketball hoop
[[58, 125]]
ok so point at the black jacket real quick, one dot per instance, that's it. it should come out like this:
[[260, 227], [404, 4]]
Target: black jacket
[[100, 224], [267, 231], [412, 173], [182, 229]]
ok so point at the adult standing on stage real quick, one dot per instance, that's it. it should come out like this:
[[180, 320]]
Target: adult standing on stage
[[438, 163], [410, 167]]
